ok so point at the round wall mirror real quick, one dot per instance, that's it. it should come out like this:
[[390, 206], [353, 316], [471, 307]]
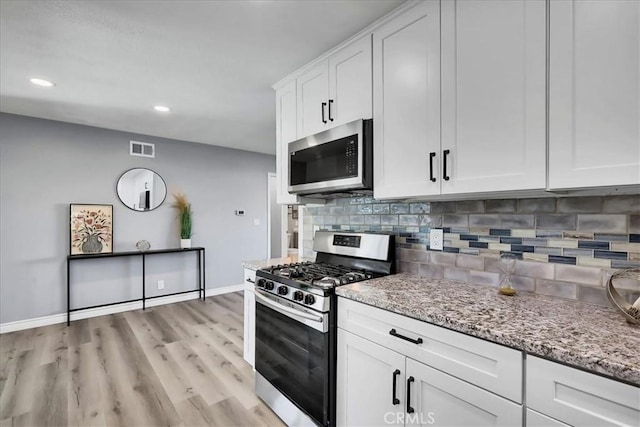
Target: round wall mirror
[[141, 189]]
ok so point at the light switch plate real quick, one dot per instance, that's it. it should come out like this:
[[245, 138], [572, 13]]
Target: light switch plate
[[256, 221], [436, 239]]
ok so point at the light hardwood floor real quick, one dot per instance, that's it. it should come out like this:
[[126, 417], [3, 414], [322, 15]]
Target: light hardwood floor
[[173, 365]]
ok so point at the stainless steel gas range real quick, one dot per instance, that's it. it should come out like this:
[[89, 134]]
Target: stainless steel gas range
[[296, 323]]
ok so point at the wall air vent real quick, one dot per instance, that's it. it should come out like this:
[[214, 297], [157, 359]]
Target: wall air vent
[[142, 149]]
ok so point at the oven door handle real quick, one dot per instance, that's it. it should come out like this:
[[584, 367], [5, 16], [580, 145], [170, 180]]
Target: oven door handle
[[285, 310]]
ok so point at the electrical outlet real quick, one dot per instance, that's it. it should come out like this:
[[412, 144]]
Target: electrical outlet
[[160, 284], [436, 239]]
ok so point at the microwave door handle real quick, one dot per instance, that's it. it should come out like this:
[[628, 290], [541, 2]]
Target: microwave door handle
[[285, 310]]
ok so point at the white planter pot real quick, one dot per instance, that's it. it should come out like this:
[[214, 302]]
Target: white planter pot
[[185, 243]]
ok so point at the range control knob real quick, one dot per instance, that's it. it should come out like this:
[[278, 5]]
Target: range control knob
[[298, 296], [309, 299], [283, 290], [269, 286], [261, 283]]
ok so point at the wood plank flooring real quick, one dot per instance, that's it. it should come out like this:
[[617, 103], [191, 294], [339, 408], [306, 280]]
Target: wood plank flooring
[[173, 365]]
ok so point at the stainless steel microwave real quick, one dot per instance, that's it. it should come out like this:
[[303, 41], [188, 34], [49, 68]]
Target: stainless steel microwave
[[333, 161]]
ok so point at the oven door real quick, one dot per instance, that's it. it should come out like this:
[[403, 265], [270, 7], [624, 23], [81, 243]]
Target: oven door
[[328, 161], [292, 354]]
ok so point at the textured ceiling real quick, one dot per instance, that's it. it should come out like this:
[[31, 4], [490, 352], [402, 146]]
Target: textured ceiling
[[212, 62]]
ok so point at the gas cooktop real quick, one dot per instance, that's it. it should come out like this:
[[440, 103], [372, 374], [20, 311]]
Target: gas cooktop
[[320, 274]]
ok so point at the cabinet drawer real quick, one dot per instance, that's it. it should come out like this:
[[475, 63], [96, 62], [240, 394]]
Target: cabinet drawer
[[580, 398], [485, 364], [249, 279], [536, 419]]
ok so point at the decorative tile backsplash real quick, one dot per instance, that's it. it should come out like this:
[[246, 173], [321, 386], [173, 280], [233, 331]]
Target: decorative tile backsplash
[[567, 247]]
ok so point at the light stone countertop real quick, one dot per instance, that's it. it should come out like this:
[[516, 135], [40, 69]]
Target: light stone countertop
[[587, 336]]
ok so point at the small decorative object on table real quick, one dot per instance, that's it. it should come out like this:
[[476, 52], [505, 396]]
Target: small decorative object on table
[[143, 245], [182, 205], [631, 312], [91, 229], [508, 267]]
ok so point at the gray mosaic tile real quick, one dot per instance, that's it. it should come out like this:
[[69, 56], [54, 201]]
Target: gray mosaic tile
[[593, 244], [609, 223], [556, 259], [329, 219], [356, 219], [470, 206], [501, 206], [409, 220], [455, 220], [517, 221], [430, 270], [489, 239], [399, 208], [634, 224], [577, 252], [537, 206], [499, 232], [574, 235], [523, 284], [372, 219], [318, 219], [350, 210], [469, 251], [548, 251], [442, 258], [480, 245], [511, 240], [469, 261], [324, 210], [522, 248], [451, 250], [593, 295], [414, 255], [548, 233], [556, 222], [458, 230], [622, 204], [579, 205], [584, 275], [381, 208], [484, 278], [339, 210], [621, 256], [407, 267], [419, 208], [611, 237], [342, 201], [484, 220], [534, 241], [443, 207], [312, 211], [389, 219], [556, 289], [457, 274], [365, 209], [342, 219], [537, 270]]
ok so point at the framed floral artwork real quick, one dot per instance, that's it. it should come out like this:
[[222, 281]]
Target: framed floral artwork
[[91, 230]]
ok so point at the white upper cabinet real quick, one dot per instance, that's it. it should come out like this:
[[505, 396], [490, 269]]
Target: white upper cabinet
[[285, 133], [337, 90], [406, 96], [493, 96], [594, 98]]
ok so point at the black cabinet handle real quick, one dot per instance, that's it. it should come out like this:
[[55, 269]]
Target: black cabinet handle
[[324, 104], [250, 281], [395, 400], [395, 334], [409, 408], [330, 116], [431, 177], [445, 153]]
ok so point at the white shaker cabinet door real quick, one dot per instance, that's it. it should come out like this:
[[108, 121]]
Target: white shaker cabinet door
[[493, 96], [365, 380], [594, 98], [285, 133], [313, 95], [350, 83], [406, 97], [439, 399]]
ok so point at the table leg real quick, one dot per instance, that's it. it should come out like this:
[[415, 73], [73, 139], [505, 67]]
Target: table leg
[[68, 292], [144, 286]]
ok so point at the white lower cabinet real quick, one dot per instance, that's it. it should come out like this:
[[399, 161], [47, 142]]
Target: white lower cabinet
[[378, 384], [249, 316], [536, 419], [579, 398]]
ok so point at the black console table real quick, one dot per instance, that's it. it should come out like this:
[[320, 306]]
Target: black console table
[[143, 254]]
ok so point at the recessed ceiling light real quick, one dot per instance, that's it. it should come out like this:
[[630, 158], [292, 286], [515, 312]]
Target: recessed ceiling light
[[41, 82], [162, 108]]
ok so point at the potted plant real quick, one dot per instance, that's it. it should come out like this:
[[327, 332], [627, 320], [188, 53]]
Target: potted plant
[[182, 205]]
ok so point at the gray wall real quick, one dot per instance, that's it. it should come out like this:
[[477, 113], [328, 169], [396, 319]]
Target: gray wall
[[46, 165]]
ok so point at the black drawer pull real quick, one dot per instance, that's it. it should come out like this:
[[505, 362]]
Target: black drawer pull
[[431, 177], [330, 116], [395, 400], [250, 281], [409, 408], [445, 154], [395, 334], [324, 104]]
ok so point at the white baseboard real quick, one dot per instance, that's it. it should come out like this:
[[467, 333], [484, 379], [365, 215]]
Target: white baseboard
[[102, 311]]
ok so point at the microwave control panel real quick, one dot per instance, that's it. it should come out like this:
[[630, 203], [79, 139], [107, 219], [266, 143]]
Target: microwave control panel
[[349, 241], [352, 156]]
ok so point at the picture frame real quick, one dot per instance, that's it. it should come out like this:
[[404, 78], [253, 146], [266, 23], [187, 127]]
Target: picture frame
[[90, 229]]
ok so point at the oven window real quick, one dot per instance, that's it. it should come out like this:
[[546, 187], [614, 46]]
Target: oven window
[[294, 358], [325, 162]]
